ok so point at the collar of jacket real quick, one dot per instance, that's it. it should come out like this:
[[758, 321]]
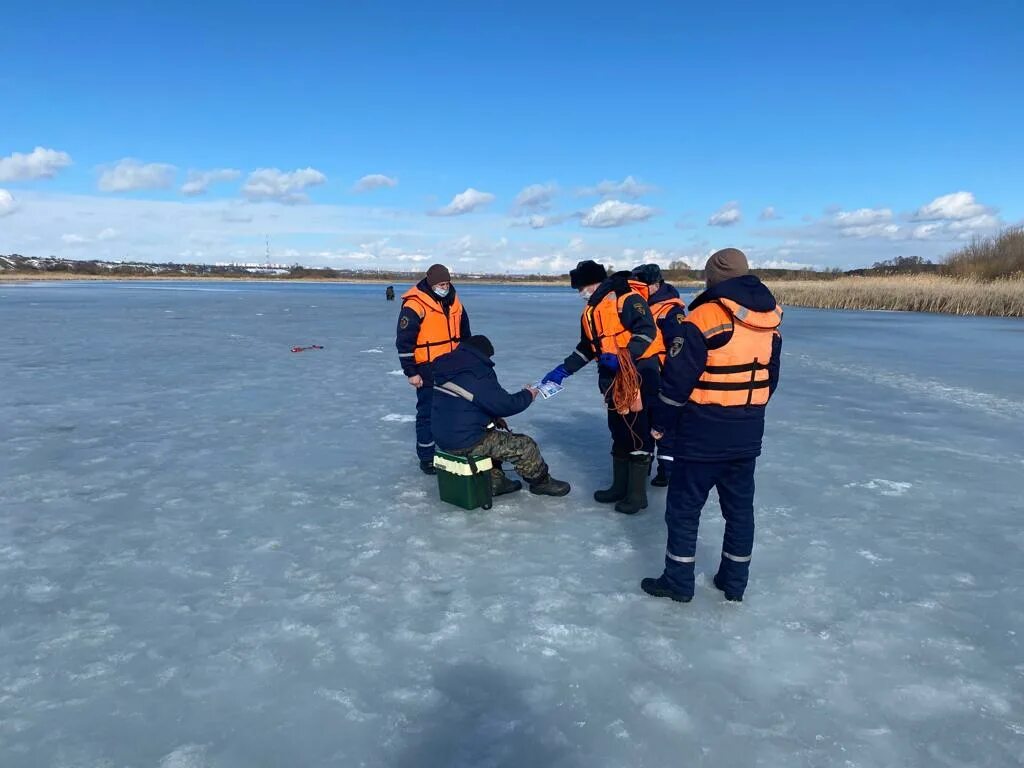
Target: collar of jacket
[[444, 303], [618, 283]]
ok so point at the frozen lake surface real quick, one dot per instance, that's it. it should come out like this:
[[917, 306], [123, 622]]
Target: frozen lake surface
[[215, 553]]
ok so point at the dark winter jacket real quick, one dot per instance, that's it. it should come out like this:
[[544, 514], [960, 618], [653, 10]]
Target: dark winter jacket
[[468, 397], [711, 432], [635, 317], [409, 329]]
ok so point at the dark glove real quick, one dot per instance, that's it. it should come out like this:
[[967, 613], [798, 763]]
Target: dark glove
[[500, 423], [558, 375], [609, 361]]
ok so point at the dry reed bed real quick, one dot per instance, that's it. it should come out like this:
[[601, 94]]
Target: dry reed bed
[[911, 293]]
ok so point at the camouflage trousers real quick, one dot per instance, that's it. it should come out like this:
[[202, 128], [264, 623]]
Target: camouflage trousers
[[520, 450]]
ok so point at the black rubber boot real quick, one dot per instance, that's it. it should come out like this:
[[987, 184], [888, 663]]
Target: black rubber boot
[[427, 468], [620, 480], [636, 489], [548, 486], [661, 478], [503, 486]]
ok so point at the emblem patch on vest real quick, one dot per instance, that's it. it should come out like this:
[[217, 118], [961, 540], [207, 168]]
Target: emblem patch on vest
[[677, 345], [403, 323]]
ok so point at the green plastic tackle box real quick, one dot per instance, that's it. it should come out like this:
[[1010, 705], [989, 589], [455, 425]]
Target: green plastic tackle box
[[464, 481]]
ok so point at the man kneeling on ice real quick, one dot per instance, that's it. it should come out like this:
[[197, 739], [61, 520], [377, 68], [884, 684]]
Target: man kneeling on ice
[[468, 418]]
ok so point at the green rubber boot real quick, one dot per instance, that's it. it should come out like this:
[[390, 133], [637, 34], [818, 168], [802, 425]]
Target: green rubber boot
[[620, 480], [636, 494]]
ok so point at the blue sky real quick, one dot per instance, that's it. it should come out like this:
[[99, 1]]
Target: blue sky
[[803, 134]]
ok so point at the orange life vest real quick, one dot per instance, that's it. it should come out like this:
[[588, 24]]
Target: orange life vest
[[604, 329], [737, 373], [658, 312], [439, 332]]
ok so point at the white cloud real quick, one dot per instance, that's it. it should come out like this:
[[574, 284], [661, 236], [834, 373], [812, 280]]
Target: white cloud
[[40, 163], [465, 202], [128, 175], [957, 206], [8, 204], [282, 186], [629, 187], [768, 214], [861, 217], [536, 197], [727, 215], [615, 213], [540, 221], [984, 222], [890, 231], [779, 264], [200, 181], [374, 181], [104, 235]]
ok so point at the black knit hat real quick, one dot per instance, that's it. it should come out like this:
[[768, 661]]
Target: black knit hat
[[587, 273], [480, 344], [438, 274], [648, 273]]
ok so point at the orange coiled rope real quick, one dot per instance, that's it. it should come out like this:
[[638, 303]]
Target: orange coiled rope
[[624, 395]]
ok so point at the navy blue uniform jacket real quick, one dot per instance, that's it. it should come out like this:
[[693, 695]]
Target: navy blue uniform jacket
[[468, 397], [712, 432]]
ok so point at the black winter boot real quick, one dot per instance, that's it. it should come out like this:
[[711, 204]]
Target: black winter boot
[[620, 480], [503, 486], [636, 492], [720, 588], [661, 478], [659, 588], [427, 468], [548, 486]]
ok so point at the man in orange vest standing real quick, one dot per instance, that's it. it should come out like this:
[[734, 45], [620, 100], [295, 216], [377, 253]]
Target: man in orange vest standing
[[616, 319], [431, 323], [666, 308], [721, 370]]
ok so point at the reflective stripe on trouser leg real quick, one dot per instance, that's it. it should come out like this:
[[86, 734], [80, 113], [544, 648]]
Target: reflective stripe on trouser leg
[[691, 483], [424, 436], [736, 494]]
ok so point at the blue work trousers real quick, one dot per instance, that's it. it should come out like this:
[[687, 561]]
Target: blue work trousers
[[424, 402], [689, 486]]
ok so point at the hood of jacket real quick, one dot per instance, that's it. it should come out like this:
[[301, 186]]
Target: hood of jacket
[[465, 359], [747, 291], [666, 292]]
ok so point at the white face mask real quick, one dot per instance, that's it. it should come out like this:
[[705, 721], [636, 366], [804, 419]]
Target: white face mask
[[441, 292], [586, 294]]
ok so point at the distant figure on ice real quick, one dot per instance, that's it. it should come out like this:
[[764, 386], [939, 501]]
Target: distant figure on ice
[[667, 311], [389, 294], [721, 370], [617, 321], [469, 413], [431, 323]]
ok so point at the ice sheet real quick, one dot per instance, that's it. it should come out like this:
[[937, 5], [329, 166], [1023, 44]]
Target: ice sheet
[[218, 553]]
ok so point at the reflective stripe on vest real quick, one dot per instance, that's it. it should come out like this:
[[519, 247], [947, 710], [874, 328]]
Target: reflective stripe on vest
[[737, 373], [658, 312], [604, 329], [439, 332]]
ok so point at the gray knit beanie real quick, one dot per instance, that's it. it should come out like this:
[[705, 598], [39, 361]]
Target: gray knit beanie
[[725, 265]]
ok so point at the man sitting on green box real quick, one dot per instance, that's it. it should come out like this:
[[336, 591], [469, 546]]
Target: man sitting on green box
[[468, 418]]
